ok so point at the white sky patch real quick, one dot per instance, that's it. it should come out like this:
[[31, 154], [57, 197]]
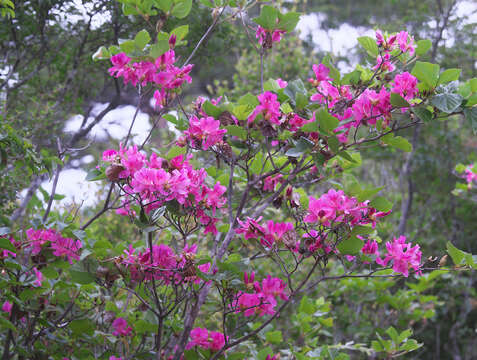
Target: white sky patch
[[337, 41], [114, 125]]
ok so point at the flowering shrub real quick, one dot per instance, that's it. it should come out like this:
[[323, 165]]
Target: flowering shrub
[[237, 196]]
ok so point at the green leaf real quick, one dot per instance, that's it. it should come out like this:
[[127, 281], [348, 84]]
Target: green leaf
[[142, 39], [397, 142], [175, 151], [456, 254], [211, 109], [164, 5], [345, 155], [6, 324], [82, 326], [128, 9], [369, 44], [181, 9], [381, 204], [350, 246], [423, 46], [422, 113], [310, 127], [274, 337], [449, 75], [180, 32], [294, 88], [301, 146], [159, 48], [127, 46], [446, 102], [327, 121], [398, 101], [471, 115], [81, 277], [268, 18], [95, 175], [208, 3], [288, 21], [427, 73], [6, 244], [235, 130], [351, 78]]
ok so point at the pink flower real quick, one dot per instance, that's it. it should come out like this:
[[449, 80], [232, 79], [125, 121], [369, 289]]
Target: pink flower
[[7, 307], [161, 98], [199, 337], [405, 42], [121, 327], [119, 62], [112, 357], [39, 277], [405, 85], [371, 106], [217, 340], [321, 74], [205, 131], [384, 63], [271, 181], [110, 155], [269, 107], [66, 247], [403, 256], [275, 35], [370, 248], [275, 232], [282, 83], [274, 287]]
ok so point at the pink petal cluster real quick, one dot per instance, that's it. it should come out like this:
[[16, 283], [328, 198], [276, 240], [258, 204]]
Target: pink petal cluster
[[162, 73], [273, 233], [263, 299], [405, 85], [275, 35], [470, 175], [121, 327], [336, 207], [62, 247], [402, 41], [403, 256], [158, 181], [7, 307], [205, 339], [269, 107], [4, 253], [370, 248], [204, 132], [271, 181], [38, 277], [372, 106]]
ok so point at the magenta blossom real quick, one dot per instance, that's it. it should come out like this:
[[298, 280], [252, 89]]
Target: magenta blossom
[[269, 107], [405, 85], [121, 327], [204, 131], [262, 34], [403, 256], [7, 307]]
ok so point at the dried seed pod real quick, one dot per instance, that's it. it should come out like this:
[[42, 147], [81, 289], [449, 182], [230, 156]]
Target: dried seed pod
[[113, 171]]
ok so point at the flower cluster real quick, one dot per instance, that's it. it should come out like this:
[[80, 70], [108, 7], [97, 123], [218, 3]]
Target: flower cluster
[[62, 247], [153, 182], [163, 264], [403, 256], [336, 207], [121, 327], [470, 175], [204, 132], [269, 107], [402, 41], [205, 339], [267, 37], [162, 73], [263, 298], [272, 233]]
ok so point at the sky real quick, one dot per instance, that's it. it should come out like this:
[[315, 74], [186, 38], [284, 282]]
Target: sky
[[115, 124]]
